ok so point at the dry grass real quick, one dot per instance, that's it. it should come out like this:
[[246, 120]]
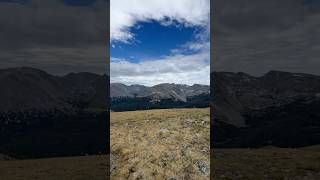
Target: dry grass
[[160, 144], [267, 163], [70, 168], [169, 144]]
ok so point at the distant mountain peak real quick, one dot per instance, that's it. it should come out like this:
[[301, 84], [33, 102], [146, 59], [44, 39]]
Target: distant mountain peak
[[163, 90]]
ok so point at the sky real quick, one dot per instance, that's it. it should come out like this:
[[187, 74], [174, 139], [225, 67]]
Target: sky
[[159, 41], [58, 36], [256, 36], [252, 36]]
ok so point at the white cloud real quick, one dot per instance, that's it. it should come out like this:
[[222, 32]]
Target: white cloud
[[126, 13], [188, 64], [193, 46], [180, 69]]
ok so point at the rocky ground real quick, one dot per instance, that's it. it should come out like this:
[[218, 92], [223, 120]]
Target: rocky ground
[[160, 144]]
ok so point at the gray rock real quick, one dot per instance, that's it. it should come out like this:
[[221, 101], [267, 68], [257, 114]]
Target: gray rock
[[202, 167], [164, 130]]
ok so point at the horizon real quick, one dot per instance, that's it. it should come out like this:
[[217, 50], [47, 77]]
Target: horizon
[[160, 84], [103, 74]]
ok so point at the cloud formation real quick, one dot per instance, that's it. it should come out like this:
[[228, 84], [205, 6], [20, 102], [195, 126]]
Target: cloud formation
[[180, 69], [256, 36], [125, 14], [187, 64], [53, 36]]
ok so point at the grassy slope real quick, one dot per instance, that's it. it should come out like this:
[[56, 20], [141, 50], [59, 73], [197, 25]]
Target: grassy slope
[[70, 168], [160, 144], [267, 163], [140, 149]]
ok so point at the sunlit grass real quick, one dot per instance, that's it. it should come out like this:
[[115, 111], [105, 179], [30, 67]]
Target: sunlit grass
[[160, 144]]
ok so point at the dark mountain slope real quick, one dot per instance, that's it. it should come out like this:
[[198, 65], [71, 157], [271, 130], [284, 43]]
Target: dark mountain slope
[[279, 108], [42, 115], [29, 88]]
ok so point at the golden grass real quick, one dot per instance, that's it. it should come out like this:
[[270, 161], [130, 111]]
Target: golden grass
[[69, 168], [160, 144]]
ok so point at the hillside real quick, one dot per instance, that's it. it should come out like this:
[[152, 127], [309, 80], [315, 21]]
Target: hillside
[[266, 163], [68, 168], [25, 89], [161, 91], [161, 96], [160, 144], [278, 108], [42, 115]]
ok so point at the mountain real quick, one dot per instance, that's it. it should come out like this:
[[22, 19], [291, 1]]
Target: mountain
[[278, 108], [161, 91], [42, 115], [26, 88], [137, 97]]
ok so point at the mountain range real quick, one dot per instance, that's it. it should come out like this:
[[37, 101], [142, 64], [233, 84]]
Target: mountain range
[[39, 110], [23, 89], [42, 115], [27, 88], [139, 97], [178, 92], [278, 108]]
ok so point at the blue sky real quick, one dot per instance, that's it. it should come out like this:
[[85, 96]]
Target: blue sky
[[160, 41], [153, 40]]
